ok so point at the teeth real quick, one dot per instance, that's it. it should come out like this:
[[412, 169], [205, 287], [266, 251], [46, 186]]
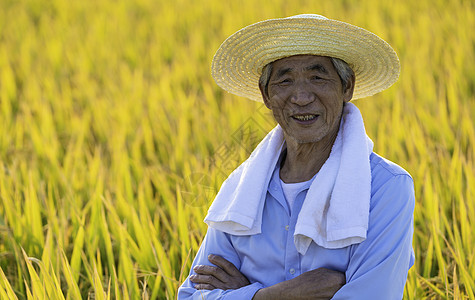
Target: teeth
[[305, 117]]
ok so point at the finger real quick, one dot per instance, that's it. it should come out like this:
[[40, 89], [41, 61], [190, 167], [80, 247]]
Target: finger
[[212, 270], [204, 287], [206, 280], [224, 264]]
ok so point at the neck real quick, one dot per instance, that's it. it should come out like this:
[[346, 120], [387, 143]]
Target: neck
[[304, 160]]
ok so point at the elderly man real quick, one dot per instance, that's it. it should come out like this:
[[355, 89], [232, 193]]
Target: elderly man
[[313, 213]]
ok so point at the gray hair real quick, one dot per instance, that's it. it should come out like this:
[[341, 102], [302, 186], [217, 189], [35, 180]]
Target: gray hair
[[342, 68]]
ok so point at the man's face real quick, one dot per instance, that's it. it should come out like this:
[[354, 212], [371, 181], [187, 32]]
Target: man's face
[[306, 97]]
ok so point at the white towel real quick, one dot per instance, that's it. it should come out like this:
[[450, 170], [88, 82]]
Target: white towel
[[335, 212]]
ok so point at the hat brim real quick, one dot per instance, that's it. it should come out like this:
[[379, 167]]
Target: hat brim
[[238, 63]]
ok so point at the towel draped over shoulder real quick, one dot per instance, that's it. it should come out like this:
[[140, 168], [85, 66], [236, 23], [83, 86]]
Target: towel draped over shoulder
[[335, 212]]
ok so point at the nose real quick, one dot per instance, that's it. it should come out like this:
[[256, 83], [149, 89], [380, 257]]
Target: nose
[[302, 96]]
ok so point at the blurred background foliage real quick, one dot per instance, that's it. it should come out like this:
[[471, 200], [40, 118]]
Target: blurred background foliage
[[115, 139]]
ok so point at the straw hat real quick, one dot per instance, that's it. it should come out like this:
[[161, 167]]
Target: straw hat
[[238, 63]]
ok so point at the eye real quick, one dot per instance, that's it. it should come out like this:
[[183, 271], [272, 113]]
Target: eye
[[285, 81], [316, 77]]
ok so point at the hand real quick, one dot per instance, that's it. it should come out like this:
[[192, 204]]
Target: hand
[[224, 276], [315, 284]]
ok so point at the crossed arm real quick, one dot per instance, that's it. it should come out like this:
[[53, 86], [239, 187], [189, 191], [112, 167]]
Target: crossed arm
[[377, 267], [320, 283]]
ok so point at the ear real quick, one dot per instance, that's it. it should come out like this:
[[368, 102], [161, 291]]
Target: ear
[[265, 95], [348, 93]]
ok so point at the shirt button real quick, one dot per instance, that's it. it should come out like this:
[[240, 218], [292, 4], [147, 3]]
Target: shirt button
[[287, 227], [292, 271]]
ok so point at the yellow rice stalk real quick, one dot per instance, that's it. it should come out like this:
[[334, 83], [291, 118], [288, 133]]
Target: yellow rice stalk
[[73, 288], [75, 263], [6, 290], [99, 292], [38, 289]]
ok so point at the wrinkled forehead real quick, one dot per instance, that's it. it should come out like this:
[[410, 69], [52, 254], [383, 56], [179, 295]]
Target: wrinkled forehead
[[300, 56], [303, 62]]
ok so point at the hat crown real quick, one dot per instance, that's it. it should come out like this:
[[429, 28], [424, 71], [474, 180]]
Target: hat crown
[[237, 65], [308, 16]]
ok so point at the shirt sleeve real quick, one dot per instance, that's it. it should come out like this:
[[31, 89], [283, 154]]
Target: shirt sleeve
[[378, 266], [216, 242]]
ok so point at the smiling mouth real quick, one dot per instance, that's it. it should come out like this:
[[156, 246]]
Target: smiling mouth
[[304, 118]]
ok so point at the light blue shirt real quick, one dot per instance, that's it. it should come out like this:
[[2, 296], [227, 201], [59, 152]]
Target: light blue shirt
[[375, 269]]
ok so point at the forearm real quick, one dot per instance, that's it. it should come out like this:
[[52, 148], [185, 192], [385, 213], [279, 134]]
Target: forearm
[[277, 291], [285, 292], [188, 292], [282, 290], [316, 284], [215, 242]]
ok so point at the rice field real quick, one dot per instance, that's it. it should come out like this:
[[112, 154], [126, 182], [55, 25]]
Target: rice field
[[114, 138]]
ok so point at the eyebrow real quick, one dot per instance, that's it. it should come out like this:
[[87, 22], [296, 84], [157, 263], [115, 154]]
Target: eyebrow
[[317, 67], [282, 72]]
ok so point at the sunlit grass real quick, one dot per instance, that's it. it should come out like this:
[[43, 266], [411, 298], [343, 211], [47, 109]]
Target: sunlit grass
[[115, 139]]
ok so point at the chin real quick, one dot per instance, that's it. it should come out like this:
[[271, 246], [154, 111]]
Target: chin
[[306, 140]]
